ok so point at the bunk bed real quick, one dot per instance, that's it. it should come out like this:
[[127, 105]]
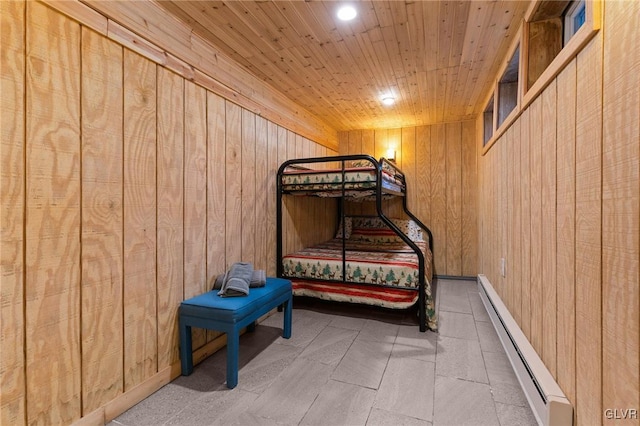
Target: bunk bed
[[374, 260]]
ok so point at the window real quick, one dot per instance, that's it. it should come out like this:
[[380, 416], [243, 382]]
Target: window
[[508, 88], [488, 122], [574, 18]]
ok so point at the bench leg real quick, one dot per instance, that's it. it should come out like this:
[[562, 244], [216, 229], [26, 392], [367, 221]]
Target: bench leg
[[288, 310], [186, 355], [251, 327], [233, 353]]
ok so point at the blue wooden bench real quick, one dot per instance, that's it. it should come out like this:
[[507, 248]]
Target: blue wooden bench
[[230, 315]]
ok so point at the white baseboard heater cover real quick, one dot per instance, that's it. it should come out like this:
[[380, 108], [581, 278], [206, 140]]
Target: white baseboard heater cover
[[547, 401]]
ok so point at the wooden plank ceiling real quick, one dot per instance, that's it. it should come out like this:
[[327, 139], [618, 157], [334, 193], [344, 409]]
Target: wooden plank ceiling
[[439, 58]]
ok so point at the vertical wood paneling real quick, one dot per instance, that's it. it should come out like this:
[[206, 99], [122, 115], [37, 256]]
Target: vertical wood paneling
[[525, 200], [140, 322], [621, 207], [233, 184], [286, 151], [423, 174], [549, 309], [216, 191], [102, 221], [409, 166], [195, 197], [170, 196], [12, 205], [52, 244], [502, 177], [515, 266], [439, 198], [248, 190], [263, 183], [469, 202], [368, 142], [509, 222], [216, 187], [272, 170], [535, 141], [566, 236], [453, 170], [589, 234], [369, 148]]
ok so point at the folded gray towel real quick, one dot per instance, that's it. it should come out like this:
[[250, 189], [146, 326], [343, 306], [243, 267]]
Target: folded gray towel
[[237, 280], [258, 279]]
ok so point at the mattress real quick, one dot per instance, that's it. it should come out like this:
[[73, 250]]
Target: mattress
[[380, 274], [357, 180]]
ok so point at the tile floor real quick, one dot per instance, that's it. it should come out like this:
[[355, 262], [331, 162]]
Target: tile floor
[[352, 365]]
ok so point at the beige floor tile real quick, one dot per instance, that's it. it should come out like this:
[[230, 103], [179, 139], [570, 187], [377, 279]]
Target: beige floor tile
[[454, 298], [350, 323], [461, 359], [379, 417], [330, 345], [455, 324], [263, 369], [363, 364], [340, 404], [407, 388], [411, 343], [292, 393], [513, 415], [477, 307], [214, 406], [460, 402], [489, 340], [378, 331], [304, 328]]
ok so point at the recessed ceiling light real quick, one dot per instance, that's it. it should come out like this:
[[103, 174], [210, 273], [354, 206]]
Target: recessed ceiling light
[[347, 13], [388, 100]]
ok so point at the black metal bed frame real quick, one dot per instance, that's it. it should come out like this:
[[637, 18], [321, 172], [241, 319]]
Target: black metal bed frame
[[379, 192]]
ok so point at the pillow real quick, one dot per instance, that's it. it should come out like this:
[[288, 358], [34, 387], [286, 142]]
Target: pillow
[[372, 228], [361, 163], [347, 230]]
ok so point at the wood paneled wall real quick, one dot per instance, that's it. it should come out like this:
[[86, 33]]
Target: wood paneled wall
[[560, 201], [440, 165], [126, 188]]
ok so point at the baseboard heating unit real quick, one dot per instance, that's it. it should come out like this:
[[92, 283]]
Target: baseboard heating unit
[[547, 401]]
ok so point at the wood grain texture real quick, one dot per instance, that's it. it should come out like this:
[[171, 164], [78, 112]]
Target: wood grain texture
[[12, 210], [453, 135], [469, 202], [195, 198], [272, 170], [536, 294], [216, 192], [515, 266], [102, 221], [216, 187], [621, 207], [140, 349], [423, 174], [408, 138], [525, 205], [566, 231], [549, 306], [509, 219], [439, 197], [170, 228], [233, 184], [52, 244], [248, 189], [195, 190], [589, 234], [264, 182]]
